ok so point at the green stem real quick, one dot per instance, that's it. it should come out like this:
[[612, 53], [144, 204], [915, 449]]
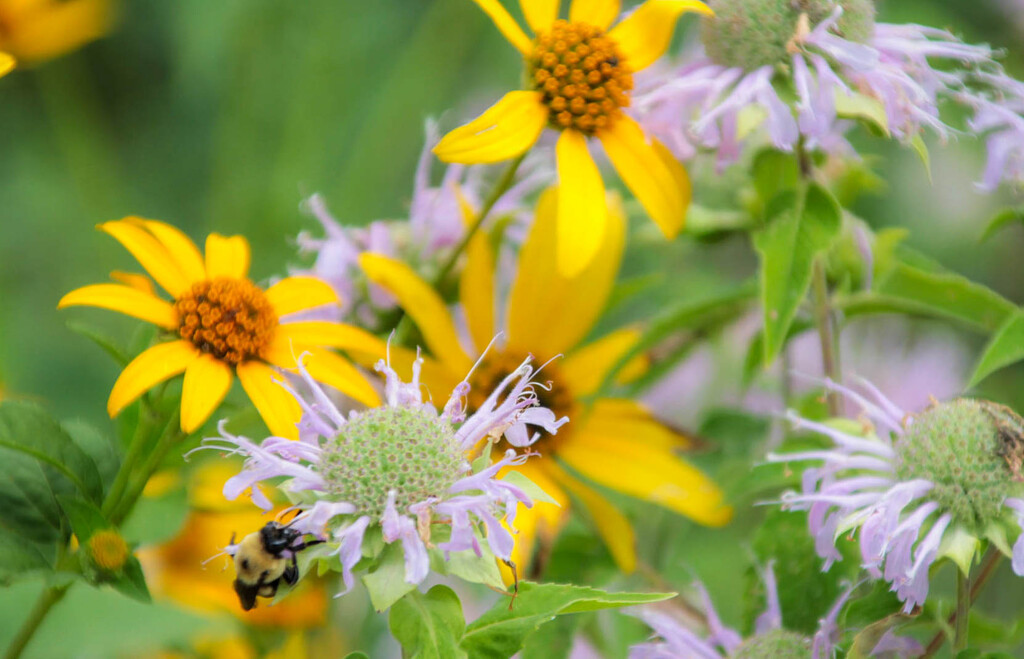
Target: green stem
[[826, 333], [985, 572], [963, 607], [50, 596], [135, 451], [170, 436]]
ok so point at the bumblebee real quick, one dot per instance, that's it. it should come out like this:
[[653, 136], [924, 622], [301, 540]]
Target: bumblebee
[[264, 558]]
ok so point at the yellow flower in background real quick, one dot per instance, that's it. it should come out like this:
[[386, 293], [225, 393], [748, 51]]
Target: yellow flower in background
[[38, 30], [7, 63], [224, 325], [175, 570], [615, 442], [580, 74]]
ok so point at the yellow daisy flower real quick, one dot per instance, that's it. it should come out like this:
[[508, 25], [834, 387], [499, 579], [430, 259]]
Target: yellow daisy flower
[[38, 30], [615, 442], [580, 74], [175, 570], [7, 63], [224, 325]]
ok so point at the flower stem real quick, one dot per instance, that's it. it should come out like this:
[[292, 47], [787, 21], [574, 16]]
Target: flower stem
[[963, 607], [988, 568], [170, 436], [50, 596], [826, 333]]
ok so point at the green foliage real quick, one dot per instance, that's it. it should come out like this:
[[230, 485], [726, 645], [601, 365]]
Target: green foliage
[[1006, 347], [386, 582], [801, 226], [1003, 219], [429, 626], [502, 631]]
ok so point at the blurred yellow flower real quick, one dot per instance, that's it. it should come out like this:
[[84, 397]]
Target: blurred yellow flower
[[579, 75], [224, 325], [615, 442], [38, 30], [175, 570], [7, 63]]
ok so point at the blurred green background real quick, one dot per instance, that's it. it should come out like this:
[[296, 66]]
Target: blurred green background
[[222, 116]]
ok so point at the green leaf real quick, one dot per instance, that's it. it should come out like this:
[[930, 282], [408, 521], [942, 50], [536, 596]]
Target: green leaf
[[774, 173], [704, 221], [107, 344], [357, 655], [530, 488], [20, 557], [1002, 218], [27, 429], [921, 149], [86, 519], [132, 582], [386, 583], [103, 451], [866, 640], [1004, 348], [862, 107], [465, 565], [502, 631], [429, 626], [799, 229], [915, 291]]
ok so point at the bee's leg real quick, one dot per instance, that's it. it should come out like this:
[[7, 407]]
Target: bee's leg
[[291, 573]]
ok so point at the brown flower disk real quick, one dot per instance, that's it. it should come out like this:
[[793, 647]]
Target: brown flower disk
[[230, 319], [583, 76]]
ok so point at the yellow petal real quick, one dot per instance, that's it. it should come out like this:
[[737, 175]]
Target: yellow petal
[[582, 214], [207, 380], [506, 24], [334, 335], [329, 368], [620, 417], [599, 13], [585, 368], [648, 473], [134, 280], [611, 525], [227, 256], [181, 248], [476, 290], [503, 131], [293, 294], [153, 366], [150, 253], [644, 35], [280, 411], [124, 299], [7, 63], [58, 28], [423, 305], [540, 14], [661, 185], [548, 313]]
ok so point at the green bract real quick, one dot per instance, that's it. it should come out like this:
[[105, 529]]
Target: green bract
[[774, 644]]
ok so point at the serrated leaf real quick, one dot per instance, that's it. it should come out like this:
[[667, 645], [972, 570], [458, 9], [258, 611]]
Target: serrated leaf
[[100, 448], [860, 106], [386, 584], [799, 229], [428, 626], [1004, 348], [131, 582], [501, 631]]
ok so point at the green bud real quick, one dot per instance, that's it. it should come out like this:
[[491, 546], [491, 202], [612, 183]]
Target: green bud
[[754, 33]]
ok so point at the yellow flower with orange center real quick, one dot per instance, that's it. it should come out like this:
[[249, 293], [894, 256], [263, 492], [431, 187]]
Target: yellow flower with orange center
[[177, 569], [220, 324], [38, 30], [614, 442], [579, 77]]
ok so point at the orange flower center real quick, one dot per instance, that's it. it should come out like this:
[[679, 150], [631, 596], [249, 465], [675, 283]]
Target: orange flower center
[[108, 550], [582, 75], [231, 319], [554, 395]]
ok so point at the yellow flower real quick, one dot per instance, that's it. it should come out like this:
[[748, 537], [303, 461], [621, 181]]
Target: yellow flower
[[38, 30], [614, 442], [175, 570], [580, 74], [224, 325], [7, 63]]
